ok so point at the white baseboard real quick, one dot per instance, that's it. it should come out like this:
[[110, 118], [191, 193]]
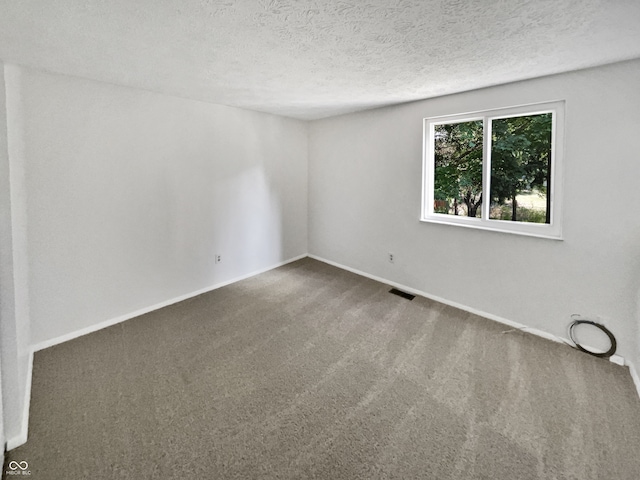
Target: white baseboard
[[490, 316], [21, 438], [617, 359], [113, 321], [634, 375]]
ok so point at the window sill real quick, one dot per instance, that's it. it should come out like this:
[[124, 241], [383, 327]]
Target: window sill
[[548, 232]]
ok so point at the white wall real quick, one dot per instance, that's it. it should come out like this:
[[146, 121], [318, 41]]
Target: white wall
[[5, 245], [14, 299], [365, 194], [130, 194], [2, 436]]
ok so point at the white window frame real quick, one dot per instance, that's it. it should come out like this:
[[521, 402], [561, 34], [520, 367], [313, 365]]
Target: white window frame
[[551, 230]]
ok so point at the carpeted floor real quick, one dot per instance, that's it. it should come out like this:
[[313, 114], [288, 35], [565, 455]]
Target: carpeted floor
[[308, 371]]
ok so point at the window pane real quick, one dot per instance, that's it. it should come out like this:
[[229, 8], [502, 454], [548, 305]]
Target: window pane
[[458, 168], [521, 168]]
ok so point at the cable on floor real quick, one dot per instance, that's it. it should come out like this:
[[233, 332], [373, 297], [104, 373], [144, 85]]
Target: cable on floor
[[612, 338]]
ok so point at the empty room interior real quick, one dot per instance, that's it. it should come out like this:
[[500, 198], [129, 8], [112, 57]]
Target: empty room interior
[[320, 239]]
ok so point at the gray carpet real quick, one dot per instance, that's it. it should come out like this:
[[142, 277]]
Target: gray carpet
[[308, 371]]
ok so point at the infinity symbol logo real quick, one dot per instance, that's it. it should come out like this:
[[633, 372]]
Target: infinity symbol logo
[[13, 465]]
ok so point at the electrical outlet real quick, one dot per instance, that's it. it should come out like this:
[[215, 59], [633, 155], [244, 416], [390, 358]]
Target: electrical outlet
[[391, 257], [218, 258]]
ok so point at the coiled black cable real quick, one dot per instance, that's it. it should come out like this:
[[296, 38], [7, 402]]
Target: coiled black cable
[[612, 339]]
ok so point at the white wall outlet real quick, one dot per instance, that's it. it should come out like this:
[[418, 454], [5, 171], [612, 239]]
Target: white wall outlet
[[391, 257], [218, 258]]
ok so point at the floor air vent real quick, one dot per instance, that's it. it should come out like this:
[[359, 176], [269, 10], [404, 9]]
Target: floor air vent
[[402, 294]]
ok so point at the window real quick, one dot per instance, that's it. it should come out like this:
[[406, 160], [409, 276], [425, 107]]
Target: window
[[496, 170]]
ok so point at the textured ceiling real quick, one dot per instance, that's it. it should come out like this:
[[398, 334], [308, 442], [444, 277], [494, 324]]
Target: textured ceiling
[[315, 58]]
